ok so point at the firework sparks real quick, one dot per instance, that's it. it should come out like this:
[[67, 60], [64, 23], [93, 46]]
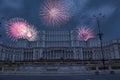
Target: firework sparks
[[54, 13], [85, 33], [31, 34], [17, 28]]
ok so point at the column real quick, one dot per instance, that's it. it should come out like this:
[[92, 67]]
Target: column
[[97, 68], [34, 53], [3, 56], [50, 55], [109, 67], [2, 68], [22, 55], [13, 57], [74, 52], [46, 55]]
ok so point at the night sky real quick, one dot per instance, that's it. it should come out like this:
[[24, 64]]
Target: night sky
[[81, 12]]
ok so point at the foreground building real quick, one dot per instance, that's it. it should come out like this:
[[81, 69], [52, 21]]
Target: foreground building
[[59, 45], [58, 48]]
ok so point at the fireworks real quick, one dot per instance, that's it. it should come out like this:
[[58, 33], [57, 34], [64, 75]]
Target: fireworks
[[53, 13], [17, 28], [31, 34], [85, 33]]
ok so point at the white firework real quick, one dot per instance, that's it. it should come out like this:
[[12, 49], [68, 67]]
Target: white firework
[[31, 34]]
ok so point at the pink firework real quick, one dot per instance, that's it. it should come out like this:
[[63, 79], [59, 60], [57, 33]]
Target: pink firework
[[53, 13], [17, 28], [85, 33]]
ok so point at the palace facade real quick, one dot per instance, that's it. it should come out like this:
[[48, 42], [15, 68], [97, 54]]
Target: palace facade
[[59, 45]]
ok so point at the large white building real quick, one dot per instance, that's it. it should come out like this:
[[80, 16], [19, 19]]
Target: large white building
[[57, 45]]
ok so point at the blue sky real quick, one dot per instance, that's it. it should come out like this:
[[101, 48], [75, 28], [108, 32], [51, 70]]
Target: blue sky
[[81, 12]]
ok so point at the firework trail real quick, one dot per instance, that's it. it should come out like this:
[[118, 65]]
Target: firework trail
[[17, 28], [85, 33], [53, 13]]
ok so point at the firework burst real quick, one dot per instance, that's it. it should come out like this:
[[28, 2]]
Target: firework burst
[[53, 13], [31, 34], [17, 28], [85, 33]]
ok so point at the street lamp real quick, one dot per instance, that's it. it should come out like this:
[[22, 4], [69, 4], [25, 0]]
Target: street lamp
[[0, 27], [100, 35], [0, 37]]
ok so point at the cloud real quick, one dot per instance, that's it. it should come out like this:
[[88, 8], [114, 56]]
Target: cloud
[[86, 18], [106, 10], [81, 12], [12, 4], [74, 6]]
